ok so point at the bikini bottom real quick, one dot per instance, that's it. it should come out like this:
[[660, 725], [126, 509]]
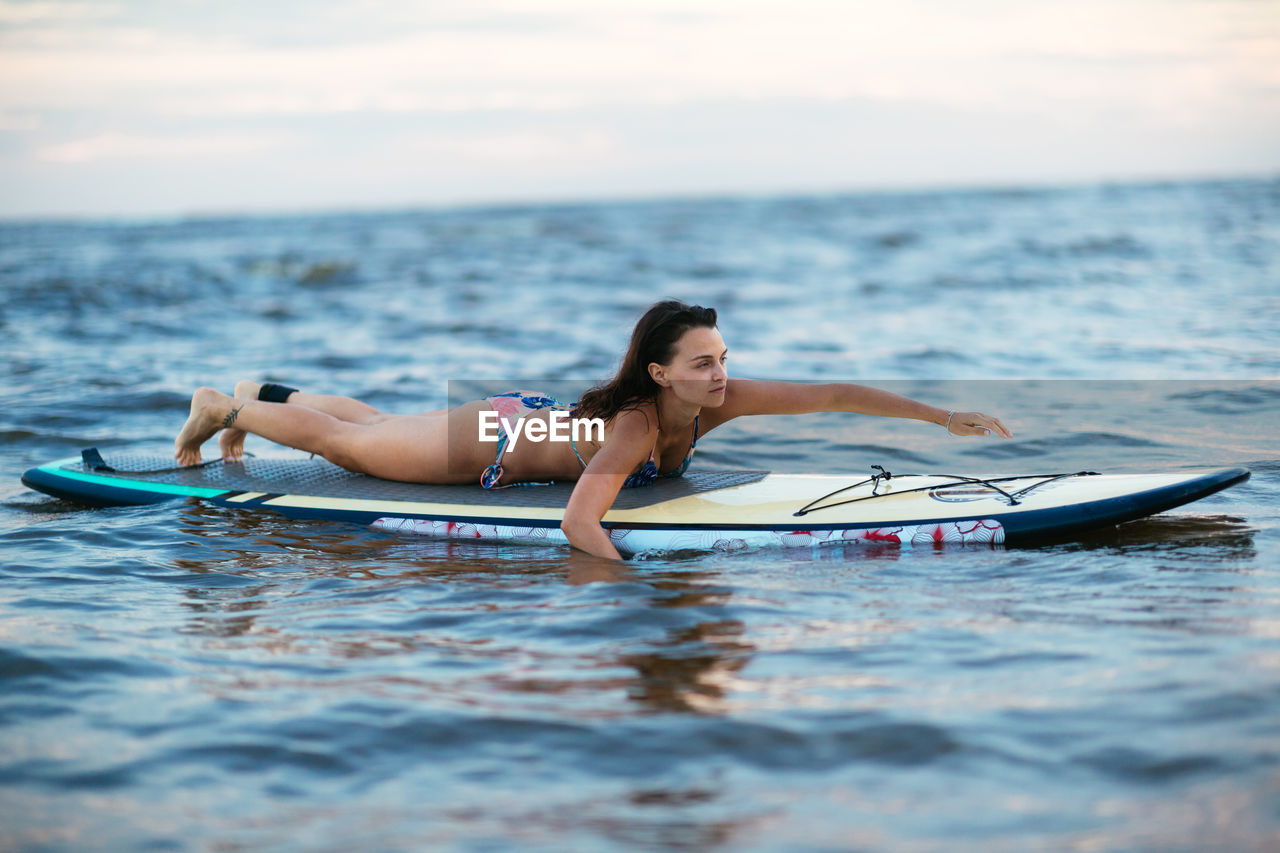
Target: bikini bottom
[[511, 407]]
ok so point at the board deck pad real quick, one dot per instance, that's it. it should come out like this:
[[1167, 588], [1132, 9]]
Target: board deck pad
[[321, 478]]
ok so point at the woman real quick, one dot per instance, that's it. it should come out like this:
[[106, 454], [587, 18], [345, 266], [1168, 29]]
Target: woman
[[672, 377]]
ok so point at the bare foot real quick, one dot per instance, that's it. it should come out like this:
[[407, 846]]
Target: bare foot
[[208, 410], [231, 440], [231, 444]]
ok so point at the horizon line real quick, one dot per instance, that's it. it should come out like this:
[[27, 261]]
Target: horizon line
[[338, 209]]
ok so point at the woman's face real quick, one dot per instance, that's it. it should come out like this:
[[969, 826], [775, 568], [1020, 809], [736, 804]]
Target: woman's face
[[697, 374]]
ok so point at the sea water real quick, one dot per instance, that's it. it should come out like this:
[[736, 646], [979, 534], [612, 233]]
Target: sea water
[[188, 677]]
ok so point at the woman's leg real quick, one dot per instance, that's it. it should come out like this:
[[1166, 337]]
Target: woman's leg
[[408, 448], [343, 408], [231, 441]]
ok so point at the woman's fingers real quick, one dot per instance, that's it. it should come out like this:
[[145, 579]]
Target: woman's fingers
[[976, 423]]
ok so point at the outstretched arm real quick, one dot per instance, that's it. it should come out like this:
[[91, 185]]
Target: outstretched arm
[[766, 397]]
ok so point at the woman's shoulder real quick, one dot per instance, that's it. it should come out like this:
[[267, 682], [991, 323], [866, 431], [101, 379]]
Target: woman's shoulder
[[629, 438], [639, 419]]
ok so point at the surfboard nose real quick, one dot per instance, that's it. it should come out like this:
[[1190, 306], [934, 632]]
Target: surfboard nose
[[1232, 476]]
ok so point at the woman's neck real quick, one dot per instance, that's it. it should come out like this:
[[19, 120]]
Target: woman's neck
[[674, 414]]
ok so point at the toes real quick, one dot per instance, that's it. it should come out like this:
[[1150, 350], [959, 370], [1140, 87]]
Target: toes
[[231, 446]]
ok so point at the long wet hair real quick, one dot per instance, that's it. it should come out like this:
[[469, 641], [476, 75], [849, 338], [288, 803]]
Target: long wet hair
[[653, 340]]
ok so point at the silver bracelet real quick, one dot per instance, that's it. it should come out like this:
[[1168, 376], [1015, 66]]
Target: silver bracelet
[[950, 415]]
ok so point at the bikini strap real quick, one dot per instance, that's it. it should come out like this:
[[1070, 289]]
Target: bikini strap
[[575, 451]]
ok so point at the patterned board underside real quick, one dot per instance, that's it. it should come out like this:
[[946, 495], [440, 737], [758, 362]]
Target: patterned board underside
[[319, 478]]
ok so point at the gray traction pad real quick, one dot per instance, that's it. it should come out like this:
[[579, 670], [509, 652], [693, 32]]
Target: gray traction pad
[[320, 478]]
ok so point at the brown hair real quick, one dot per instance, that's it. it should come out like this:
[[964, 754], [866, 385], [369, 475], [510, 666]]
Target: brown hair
[[653, 340]]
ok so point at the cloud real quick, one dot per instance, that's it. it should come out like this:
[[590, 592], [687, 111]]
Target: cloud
[[587, 54], [117, 146], [50, 12], [20, 122], [573, 147]]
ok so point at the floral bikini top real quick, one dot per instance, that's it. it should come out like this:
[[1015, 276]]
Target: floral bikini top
[[514, 403], [648, 472]]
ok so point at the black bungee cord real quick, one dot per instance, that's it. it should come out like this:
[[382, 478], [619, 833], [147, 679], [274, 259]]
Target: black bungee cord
[[884, 476]]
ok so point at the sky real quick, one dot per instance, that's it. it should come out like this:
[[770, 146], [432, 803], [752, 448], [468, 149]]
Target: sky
[[184, 107]]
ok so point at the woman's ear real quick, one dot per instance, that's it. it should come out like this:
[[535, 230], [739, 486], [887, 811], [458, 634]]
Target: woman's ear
[[658, 374]]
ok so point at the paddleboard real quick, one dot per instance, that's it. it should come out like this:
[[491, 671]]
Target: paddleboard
[[712, 510]]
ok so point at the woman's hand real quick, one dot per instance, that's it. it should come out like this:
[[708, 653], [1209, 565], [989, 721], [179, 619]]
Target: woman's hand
[[590, 537], [975, 423]]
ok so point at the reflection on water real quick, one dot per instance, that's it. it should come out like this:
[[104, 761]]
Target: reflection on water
[[1225, 537], [690, 670]]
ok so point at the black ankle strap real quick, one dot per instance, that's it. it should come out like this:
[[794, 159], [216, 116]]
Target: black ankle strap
[[272, 393]]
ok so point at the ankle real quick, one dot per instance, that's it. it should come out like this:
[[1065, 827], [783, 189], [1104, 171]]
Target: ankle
[[247, 389], [231, 413]]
